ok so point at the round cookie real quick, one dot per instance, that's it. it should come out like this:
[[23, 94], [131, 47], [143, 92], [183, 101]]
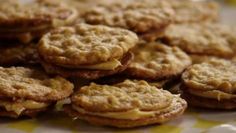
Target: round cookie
[[125, 105], [212, 82], [27, 91], [33, 84], [27, 20], [147, 18], [203, 39], [85, 44], [157, 61], [188, 11], [18, 54], [87, 73]]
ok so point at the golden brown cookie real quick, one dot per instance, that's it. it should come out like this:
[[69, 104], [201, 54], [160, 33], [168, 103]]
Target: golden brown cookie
[[203, 39], [85, 44], [25, 21], [87, 73], [189, 11], [26, 90], [125, 105], [157, 61], [213, 82], [15, 109], [86, 51], [18, 54], [147, 18]]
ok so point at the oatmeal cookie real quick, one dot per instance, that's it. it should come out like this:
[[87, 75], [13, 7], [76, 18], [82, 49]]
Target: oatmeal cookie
[[125, 105], [18, 54], [214, 80], [26, 91], [85, 44], [87, 73], [203, 39], [147, 18], [188, 11], [157, 61], [28, 83], [15, 109], [208, 102], [27, 20]]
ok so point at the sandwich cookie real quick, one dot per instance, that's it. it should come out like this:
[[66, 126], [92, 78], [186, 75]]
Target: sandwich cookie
[[189, 11], [86, 51], [25, 21], [147, 18], [203, 39], [15, 54], [156, 61], [125, 105], [28, 91], [211, 84]]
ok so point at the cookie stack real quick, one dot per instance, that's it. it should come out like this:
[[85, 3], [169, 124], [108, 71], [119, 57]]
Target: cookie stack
[[126, 52], [86, 51], [23, 23], [26, 91]]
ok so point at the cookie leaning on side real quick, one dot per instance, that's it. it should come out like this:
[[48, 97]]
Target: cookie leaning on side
[[86, 51], [125, 105], [211, 84], [28, 91]]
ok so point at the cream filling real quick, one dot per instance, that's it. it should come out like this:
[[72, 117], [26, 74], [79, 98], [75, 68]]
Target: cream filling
[[19, 107], [59, 105], [133, 114], [214, 94], [109, 65]]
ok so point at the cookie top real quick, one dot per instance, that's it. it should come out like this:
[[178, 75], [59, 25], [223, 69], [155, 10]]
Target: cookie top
[[18, 54], [123, 96], [85, 44], [217, 74], [157, 61], [141, 16], [216, 39], [187, 11], [21, 15], [32, 84]]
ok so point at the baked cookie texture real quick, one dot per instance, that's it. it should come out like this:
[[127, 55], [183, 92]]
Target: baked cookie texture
[[187, 11], [85, 44], [125, 105], [213, 82], [18, 54], [203, 39], [28, 90], [145, 17], [157, 61], [26, 20], [90, 74], [86, 51]]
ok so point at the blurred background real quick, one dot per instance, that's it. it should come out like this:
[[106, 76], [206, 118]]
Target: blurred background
[[228, 13]]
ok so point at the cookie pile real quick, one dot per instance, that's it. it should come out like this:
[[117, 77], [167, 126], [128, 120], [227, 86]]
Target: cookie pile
[[122, 59]]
